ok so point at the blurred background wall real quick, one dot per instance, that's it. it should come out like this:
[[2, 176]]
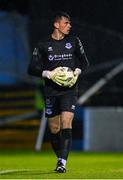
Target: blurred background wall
[[99, 25]]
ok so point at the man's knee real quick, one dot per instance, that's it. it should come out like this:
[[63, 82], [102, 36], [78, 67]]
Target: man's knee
[[66, 119], [54, 124], [54, 129]]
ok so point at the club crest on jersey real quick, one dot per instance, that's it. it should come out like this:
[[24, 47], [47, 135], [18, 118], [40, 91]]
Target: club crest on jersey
[[50, 57], [50, 48], [68, 45], [48, 111]]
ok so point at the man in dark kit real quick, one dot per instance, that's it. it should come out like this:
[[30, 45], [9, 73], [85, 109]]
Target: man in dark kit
[[50, 57]]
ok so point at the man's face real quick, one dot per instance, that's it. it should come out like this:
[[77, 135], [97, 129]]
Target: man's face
[[63, 25]]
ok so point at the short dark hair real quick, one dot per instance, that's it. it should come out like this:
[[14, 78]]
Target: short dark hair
[[59, 15]]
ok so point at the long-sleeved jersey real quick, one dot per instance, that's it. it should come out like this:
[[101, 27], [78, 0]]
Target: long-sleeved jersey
[[51, 53]]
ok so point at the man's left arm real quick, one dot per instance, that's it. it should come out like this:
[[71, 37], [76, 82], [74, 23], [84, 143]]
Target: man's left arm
[[83, 62]]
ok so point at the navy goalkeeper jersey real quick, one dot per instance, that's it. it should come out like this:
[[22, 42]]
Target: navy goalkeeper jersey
[[51, 53]]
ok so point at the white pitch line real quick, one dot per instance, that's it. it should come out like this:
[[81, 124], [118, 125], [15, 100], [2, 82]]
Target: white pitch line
[[9, 171]]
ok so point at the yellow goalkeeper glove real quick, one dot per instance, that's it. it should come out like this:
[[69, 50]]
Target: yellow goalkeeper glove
[[73, 81], [57, 75]]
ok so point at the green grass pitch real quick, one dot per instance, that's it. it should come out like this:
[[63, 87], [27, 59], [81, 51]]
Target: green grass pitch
[[33, 165]]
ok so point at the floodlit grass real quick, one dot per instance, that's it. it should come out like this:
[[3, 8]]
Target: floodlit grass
[[33, 165]]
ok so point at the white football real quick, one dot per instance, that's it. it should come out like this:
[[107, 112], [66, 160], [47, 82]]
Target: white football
[[68, 72]]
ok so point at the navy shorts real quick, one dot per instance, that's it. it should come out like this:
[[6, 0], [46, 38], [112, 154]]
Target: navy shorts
[[54, 105]]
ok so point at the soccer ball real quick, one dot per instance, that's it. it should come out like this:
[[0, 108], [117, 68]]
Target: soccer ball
[[69, 74]]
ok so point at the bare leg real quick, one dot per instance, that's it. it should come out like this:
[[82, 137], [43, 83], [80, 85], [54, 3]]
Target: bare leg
[[55, 134]]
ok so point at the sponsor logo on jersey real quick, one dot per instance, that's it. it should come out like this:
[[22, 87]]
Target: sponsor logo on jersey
[[50, 48], [59, 57], [68, 45]]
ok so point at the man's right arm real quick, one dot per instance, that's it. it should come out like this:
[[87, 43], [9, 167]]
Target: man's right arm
[[35, 67]]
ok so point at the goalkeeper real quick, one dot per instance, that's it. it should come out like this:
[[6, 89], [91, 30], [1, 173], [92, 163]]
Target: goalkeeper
[[59, 49]]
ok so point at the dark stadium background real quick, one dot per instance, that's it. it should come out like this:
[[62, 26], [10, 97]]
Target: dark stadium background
[[97, 22]]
